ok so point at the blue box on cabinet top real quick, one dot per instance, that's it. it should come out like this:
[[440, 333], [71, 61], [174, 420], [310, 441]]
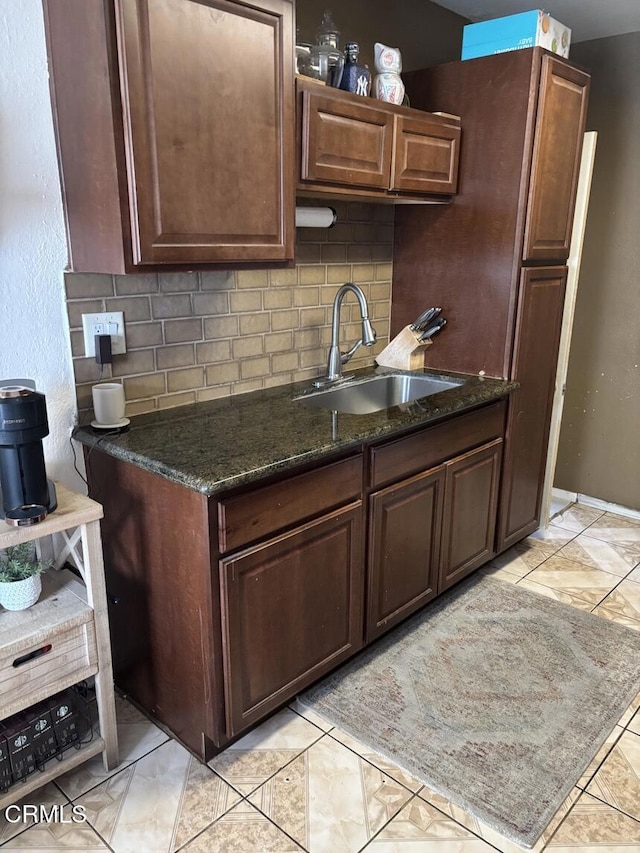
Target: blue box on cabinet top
[[515, 32]]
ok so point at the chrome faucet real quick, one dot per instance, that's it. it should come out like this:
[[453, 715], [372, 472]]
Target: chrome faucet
[[368, 338]]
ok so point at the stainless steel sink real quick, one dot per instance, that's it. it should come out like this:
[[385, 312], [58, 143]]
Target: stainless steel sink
[[377, 393]]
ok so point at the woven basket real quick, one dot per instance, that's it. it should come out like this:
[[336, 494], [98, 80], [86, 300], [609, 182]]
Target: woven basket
[[18, 595]]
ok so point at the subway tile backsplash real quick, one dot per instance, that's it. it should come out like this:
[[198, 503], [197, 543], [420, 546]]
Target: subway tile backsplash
[[201, 335]]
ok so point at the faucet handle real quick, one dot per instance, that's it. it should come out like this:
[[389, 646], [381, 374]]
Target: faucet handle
[[347, 356]]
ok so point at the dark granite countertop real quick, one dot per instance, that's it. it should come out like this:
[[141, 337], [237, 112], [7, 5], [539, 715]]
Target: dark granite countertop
[[224, 443]]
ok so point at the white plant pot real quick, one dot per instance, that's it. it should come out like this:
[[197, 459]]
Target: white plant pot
[[18, 595]]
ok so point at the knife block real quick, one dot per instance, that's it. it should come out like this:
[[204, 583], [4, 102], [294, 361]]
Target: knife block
[[404, 352]]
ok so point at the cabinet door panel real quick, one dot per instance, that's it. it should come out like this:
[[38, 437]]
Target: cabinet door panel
[[207, 95], [536, 354], [345, 142], [557, 145], [426, 156], [471, 501], [404, 544], [292, 610]]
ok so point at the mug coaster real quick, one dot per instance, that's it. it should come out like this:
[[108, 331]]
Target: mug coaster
[[123, 422]]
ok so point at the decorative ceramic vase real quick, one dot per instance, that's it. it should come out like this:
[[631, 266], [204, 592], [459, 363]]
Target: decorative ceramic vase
[[388, 85], [18, 595]]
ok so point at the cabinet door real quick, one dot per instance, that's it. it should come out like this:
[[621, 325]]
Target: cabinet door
[[426, 156], [559, 131], [344, 141], [292, 610], [207, 99], [404, 545], [470, 507], [537, 338]]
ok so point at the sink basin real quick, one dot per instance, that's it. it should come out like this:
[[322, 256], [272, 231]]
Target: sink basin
[[377, 393]]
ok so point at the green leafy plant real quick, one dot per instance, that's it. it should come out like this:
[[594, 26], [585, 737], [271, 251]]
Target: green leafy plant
[[19, 562]]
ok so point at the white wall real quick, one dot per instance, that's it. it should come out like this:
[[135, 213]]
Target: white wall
[[34, 334]]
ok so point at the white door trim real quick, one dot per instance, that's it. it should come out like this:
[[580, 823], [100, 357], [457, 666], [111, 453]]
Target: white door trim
[[573, 263]]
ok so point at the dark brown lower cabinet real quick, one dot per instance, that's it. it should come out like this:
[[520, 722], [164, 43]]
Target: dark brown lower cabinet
[[404, 548], [428, 532], [291, 611], [537, 338], [217, 624], [471, 501]]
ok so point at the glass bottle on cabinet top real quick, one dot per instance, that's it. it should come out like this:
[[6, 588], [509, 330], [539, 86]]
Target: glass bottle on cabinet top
[[356, 78], [327, 60], [303, 53]]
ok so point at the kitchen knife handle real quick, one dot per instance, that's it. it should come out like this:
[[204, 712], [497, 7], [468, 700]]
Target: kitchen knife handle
[[415, 326], [430, 331], [431, 315]]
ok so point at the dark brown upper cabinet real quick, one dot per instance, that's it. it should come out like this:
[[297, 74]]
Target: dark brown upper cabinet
[[425, 155], [367, 148], [524, 118], [174, 122], [555, 162]]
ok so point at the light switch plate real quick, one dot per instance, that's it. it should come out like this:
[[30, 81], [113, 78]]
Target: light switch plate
[[111, 323]]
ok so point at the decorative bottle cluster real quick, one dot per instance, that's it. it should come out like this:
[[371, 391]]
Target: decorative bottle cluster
[[325, 61]]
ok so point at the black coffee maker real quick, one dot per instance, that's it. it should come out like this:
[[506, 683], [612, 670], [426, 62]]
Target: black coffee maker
[[26, 496]]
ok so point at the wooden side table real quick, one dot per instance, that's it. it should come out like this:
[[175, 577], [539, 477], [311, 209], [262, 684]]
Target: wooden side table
[[70, 618]]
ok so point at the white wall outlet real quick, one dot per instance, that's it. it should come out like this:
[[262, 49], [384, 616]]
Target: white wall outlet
[[104, 324]]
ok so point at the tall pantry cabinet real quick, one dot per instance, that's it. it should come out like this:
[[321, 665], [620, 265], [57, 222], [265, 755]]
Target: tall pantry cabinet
[[494, 259]]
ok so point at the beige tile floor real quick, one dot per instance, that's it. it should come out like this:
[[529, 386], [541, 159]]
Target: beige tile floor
[[296, 784]]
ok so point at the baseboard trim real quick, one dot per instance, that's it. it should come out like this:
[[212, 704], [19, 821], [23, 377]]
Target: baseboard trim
[[605, 506], [563, 495]]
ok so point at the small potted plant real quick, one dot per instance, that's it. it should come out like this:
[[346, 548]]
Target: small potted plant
[[20, 582]]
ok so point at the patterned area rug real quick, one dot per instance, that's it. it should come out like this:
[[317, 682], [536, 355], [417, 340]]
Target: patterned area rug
[[494, 696]]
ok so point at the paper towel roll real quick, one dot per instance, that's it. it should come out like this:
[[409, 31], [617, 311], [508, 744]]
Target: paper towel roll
[[315, 217]]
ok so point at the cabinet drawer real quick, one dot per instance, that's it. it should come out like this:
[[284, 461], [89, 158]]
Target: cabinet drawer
[[263, 511], [29, 673], [423, 450]]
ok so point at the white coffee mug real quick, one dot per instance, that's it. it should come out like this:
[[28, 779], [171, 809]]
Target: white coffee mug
[[108, 402]]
